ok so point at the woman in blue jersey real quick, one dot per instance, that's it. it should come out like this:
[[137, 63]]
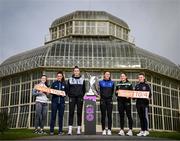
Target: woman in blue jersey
[[106, 104], [58, 103]]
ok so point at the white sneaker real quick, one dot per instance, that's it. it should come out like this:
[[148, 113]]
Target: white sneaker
[[121, 133], [104, 132], [146, 133], [141, 133], [70, 130], [109, 132], [79, 130], [129, 133]]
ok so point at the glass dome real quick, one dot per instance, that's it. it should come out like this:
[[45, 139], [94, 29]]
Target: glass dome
[[88, 24], [89, 15], [89, 53]]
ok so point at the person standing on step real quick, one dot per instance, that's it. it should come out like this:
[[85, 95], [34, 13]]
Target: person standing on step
[[57, 103], [76, 91], [106, 104], [142, 104], [124, 104]]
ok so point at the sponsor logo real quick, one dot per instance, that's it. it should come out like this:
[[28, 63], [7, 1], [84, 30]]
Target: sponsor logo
[[89, 113], [144, 88]]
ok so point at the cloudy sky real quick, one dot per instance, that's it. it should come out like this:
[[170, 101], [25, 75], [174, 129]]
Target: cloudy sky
[[155, 24]]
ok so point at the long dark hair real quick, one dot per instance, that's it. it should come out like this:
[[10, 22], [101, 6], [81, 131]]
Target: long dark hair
[[125, 75], [110, 74], [46, 83], [63, 78]]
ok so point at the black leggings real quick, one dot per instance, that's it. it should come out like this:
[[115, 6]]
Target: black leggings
[[122, 108], [106, 106], [143, 116], [72, 104]]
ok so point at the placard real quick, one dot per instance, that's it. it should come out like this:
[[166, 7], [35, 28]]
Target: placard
[[133, 94], [49, 90]]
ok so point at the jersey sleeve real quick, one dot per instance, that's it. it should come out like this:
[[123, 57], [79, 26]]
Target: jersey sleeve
[[149, 89], [84, 87]]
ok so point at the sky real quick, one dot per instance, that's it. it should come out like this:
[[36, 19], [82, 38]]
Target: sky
[[155, 24]]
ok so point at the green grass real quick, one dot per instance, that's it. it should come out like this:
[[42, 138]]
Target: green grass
[[17, 134], [168, 135]]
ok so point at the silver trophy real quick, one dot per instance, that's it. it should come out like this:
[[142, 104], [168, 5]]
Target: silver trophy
[[93, 85]]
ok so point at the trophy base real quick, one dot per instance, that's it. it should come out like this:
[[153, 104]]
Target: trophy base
[[90, 115]]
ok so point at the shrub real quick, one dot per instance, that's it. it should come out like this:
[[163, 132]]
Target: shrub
[[4, 122]]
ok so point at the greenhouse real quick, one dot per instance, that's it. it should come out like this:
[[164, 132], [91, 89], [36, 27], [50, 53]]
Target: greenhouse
[[95, 41]]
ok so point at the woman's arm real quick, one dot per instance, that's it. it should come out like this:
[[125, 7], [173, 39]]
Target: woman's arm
[[36, 93]]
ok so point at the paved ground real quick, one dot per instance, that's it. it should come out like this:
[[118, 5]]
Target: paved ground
[[95, 138]]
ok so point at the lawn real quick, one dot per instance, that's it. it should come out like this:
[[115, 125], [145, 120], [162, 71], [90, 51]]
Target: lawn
[[17, 134], [169, 135]]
